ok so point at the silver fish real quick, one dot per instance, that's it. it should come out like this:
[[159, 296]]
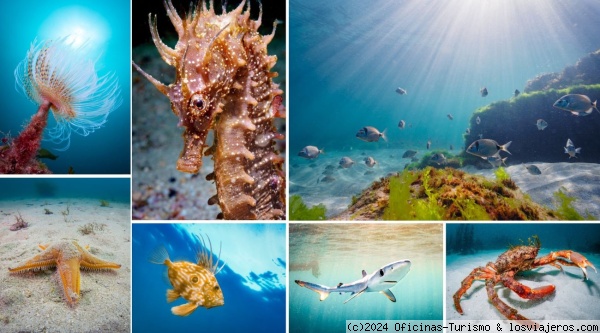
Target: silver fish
[[517, 92], [438, 158], [449, 116], [370, 161], [370, 134], [571, 150], [534, 170], [401, 91], [346, 162], [401, 124], [327, 179], [483, 91], [428, 144], [578, 105], [496, 160], [409, 153], [310, 152], [451, 147], [541, 124], [486, 148], [480, 135], [468, 131], [478, 120]]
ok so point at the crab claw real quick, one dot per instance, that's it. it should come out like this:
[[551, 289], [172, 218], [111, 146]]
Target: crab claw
[[581, 261]]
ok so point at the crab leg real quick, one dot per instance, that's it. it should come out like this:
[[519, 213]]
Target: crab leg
[[576, 260], [522, 290], [506, 310], [479, 273]]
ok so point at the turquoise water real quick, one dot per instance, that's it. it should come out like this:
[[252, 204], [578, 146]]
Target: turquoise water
[[253, 279], [115, 190], [348, 58], [106, 25], [328, 254]]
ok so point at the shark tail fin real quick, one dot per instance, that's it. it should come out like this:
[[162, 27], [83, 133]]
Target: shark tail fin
[[321, 290]]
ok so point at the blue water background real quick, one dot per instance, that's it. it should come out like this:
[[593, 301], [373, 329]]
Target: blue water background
[[107, 150], [254, 302], [342, 251], [348, 57], [114, 190], [577, 237]]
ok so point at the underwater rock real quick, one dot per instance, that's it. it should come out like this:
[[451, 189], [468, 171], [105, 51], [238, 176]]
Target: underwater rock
[[448, 194], [585, 71], [515, 120]]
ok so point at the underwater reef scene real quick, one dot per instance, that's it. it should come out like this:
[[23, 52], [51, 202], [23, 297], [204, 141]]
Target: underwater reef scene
[[562, 277], [243, 266], [65, 259], [421, 135], [213, 146], [328, 260], [67, 62]]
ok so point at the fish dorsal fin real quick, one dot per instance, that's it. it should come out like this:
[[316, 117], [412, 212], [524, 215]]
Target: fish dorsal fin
[[364, 273], [355, 295], [172, 295], [388, 293], [184, 310]]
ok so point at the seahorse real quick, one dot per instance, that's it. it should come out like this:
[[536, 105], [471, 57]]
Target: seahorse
[[224, 82]]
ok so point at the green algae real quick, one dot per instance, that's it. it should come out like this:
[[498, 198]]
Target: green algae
[[565, 209], [300, 212]]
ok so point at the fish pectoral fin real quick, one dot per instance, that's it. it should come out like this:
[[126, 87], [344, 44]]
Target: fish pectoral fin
[[388, 293], [172, 295], [355, 295], [184, 310]]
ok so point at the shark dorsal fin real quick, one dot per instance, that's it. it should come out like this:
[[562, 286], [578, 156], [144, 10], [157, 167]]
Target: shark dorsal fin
[[388, 293], [364, 273], [355, 295]]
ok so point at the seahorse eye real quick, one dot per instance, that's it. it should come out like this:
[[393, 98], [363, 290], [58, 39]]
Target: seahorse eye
[[198, 102]]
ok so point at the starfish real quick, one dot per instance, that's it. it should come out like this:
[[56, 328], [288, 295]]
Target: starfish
[[69, 258]]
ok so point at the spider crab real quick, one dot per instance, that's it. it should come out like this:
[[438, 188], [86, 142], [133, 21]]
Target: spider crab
[[513, 261]]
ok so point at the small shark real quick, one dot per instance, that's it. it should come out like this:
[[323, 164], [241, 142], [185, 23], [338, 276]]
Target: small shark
[[381, 280]]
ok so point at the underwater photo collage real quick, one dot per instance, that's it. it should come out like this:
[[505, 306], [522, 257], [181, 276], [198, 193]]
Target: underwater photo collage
[[299, 165]]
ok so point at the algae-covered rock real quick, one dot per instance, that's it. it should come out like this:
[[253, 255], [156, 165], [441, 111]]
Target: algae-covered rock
[[448, 194], [585, 72], [515, 120]]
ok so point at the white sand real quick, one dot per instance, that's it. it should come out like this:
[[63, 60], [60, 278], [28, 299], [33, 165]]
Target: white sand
[[572, 299], [34, 302]]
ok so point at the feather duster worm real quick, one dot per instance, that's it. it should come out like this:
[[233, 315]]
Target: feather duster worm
[[60, 78], [223, 82]]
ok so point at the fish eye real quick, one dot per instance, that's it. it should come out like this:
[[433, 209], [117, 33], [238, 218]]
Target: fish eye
[[216, 288], [195, 279], [197, 102], [381, 272]]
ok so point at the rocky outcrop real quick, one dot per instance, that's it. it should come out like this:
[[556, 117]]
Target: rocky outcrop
[[585, 72]]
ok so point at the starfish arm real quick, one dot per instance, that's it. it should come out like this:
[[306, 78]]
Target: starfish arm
[[43, 260], [90, 261], [70, 278]]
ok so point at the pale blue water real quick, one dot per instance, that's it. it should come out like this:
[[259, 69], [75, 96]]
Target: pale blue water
[[342, 251], [106, 24], [348, 57]]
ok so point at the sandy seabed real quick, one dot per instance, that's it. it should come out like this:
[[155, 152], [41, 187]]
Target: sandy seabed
[[34, 302], [572, 299]]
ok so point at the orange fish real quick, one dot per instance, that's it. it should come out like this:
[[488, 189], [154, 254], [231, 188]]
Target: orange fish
[[196, 283]]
